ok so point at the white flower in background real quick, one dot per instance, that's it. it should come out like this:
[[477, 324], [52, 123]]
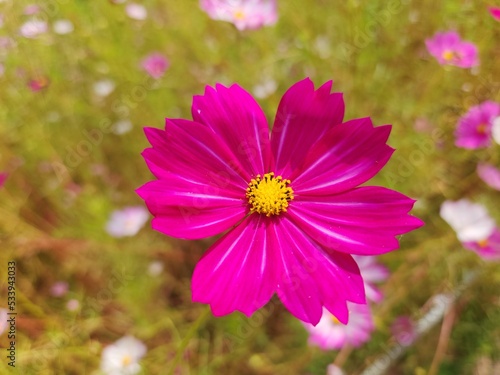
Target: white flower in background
[[33, 28], [372, 272], [63, 27], [155, 268], [122, 357], [264, 89], [136, 11], [334, 370], [3, 320], [496, 130], [127, 222], [73, 305], [122, 127], [470, 221], [104, 87]]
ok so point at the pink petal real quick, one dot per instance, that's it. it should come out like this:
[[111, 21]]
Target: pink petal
[[240, 271], [193, 151], [489, 174], [313, 276], [236, 117], [362, 221], [303, 117], [186, 209], [347, 156], [495, 12]]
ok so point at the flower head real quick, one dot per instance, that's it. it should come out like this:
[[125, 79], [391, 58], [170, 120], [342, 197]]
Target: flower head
[[122, 357], [489, 248], [33, 28], [489, 174], [3, 178], [449, 49], [404, 330], [289, 200], [127, 221], [474, 129], [59, 289], [155, 65], [3, 320], [470, 221], [136, 11], [495, 12], [331, 334], [244, 14], [372, 272]]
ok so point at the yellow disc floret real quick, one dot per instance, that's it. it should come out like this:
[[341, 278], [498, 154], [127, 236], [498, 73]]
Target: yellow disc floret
[[269, 195]]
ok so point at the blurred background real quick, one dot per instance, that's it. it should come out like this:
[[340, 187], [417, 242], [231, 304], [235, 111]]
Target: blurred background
[[77, 88]]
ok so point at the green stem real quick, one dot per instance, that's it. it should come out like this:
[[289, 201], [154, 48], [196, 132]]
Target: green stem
[[185, 341]]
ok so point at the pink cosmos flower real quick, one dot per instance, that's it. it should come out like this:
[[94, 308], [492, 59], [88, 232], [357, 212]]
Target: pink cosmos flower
[[372, 272], [449, 49], [155, 65], [244, 14], [289, 200], [331, 334], [474, 129], [37, 84], [33, 28], [489, 248], [3, 178], [59, 289], [495, 12], [489, 174], [127, 221]]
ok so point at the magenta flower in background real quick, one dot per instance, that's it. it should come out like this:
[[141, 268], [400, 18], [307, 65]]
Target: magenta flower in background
[[489, 248], [127, 221], [289, 200], [3, 178], [404, 330], [37, 84], [495, 12], [449, 49], [155, 65], [372, 272], [489, 174], [470, 221], [244, 14], [330, 334], [474, 129]]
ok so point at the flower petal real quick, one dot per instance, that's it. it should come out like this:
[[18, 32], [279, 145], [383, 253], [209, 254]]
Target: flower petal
[[240, 271], [185, 209], [240, 122], [303, 117], [362, 221], [313, 276], [195, 152], [347, 156]]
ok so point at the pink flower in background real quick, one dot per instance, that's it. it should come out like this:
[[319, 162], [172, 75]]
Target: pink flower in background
[[3, 320], [495, 131], [155, 65], [72, 305], [136, 11], [489, 174], [334, 370], [474, 129], [404, 330], [289, 200], [372, 272], [37, 84], [33, 28], [449, 49], [59, 289], [495, 12], [3, 178], [489, 248], [244, 14], [330, 334], [470, 221], [127, 221]]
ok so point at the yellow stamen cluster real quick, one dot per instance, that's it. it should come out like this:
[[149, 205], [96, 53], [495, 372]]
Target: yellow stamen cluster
[[482, 128], [449, 55], [269, 195], [483, 243], [126, 360]]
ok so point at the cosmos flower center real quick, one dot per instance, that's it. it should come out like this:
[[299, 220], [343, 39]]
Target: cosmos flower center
[[481, 128], [126, 360], [269, 194], [449, 55], [239, 14], [483, 243], [334, 320]]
